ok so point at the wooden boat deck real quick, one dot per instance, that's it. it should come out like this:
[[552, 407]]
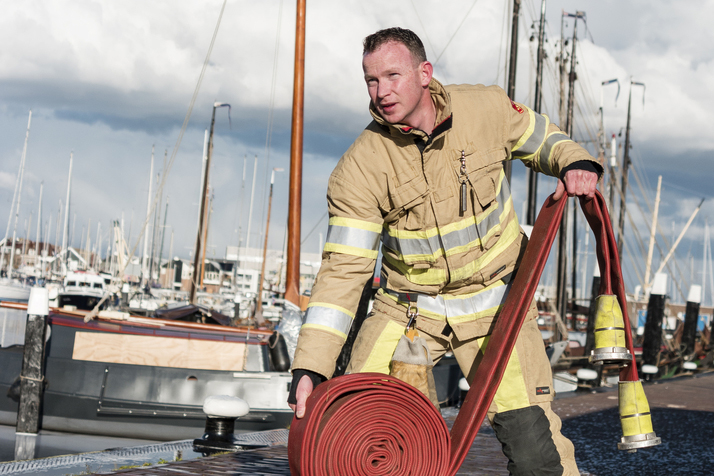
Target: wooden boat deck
[[682, 414]]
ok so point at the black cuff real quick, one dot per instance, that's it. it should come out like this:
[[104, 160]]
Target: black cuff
[[316, 378], [587, 165]]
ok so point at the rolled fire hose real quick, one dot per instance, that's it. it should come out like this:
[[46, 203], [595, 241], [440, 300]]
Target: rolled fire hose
[[373, 424]]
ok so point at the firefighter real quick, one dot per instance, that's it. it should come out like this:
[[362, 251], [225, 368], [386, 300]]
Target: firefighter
[[425, 178]]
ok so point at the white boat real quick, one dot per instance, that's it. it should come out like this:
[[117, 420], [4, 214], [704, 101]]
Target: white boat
[[14, 291], [81, 290]]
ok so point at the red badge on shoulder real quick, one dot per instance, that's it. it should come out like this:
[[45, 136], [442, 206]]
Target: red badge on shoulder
[[542, 390], [517, 107]]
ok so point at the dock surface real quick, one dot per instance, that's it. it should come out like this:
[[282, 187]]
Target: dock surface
[[682, 415]]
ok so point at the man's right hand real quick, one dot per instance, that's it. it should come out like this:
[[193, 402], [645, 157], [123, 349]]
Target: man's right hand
[[304, 389]]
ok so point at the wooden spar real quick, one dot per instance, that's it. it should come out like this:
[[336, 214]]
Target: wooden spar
[[202, 214], [650, 251], [292, 278], [259, 303], [209, 212], [511, 88], [532, 175]]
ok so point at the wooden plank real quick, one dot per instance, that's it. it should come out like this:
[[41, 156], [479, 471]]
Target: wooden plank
[[159, 351]]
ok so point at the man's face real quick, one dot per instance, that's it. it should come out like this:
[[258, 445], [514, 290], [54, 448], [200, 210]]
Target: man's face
[[396, 83]]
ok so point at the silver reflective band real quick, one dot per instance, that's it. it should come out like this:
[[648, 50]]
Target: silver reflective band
[[535, 140], [425, 249], [453, 306], [355, 237], [547, 147], [412, 246], [326, 316]]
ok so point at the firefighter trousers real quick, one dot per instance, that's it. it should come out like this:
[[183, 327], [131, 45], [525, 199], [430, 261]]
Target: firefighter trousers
[[520, 413]]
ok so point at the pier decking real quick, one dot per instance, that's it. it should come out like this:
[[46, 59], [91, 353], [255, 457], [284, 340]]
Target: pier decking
[[682, 414]]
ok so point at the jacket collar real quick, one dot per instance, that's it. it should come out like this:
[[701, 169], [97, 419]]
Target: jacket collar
[[442, 102]]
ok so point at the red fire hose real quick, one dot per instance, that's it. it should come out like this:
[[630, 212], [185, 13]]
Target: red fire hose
[[373, 424]]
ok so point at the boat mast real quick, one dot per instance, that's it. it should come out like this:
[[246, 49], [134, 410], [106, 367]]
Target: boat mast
[[18, 186], [39, 225], [259, 303], [65, 229], [202, 214], [163, 234], [650, 250], [513, 61], [532, 175], [250, 206], [292, 278], [625, 171], [145, 259], [203, 174], [562, 278]]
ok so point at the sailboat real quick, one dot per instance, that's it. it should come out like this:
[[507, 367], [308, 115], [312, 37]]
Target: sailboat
[[14, 290]]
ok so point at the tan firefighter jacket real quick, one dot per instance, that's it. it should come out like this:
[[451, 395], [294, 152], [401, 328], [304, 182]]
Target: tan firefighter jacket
[[398, 186]]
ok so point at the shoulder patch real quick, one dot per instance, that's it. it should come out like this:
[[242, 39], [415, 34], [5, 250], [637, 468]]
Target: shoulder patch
[[517, 107], [542, 390]]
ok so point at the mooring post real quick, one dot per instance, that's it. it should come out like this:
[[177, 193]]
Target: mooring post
[[31, 377], [691, 316], [653, 324]]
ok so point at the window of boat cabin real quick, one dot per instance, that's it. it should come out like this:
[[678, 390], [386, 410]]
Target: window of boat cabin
[[71, 283]]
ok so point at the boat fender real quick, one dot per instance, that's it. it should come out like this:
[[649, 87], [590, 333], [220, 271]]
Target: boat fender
[[279, 357]]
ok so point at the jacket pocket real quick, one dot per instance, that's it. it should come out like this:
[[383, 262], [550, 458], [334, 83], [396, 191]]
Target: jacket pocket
[[405, 232], [486, 181], [409, 204]]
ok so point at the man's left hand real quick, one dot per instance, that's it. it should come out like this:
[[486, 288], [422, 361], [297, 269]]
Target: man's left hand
[[577, 183]]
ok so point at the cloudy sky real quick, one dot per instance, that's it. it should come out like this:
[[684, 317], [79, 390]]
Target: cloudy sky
[[109, 80]]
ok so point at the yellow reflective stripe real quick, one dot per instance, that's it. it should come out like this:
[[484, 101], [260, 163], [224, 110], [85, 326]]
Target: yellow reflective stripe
[[509, 235], [324, 328], [527, 134], [381, 355], [546, 153], [512, 393], [351, 250], [536, 140], [417, 276], [354, 223]]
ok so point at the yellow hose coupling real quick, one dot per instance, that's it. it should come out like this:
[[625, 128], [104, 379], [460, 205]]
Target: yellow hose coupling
[[610, 344], [635, 418]]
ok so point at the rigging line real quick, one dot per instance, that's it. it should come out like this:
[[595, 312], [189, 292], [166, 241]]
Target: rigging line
[[659, 226], [641, 243], [455, 32], [174, 151], [314, 227], [634, 263], [426, 33], [504, 39], [269, 132]]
